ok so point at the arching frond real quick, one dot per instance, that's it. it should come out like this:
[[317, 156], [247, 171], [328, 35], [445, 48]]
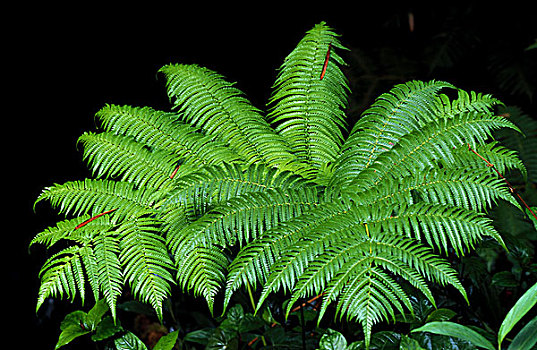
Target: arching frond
[[62, 274], [307, 109], [165, 131], [207, 101], [245, 217], [121, 157], [254, 262], [473, 189], [145, 261], [109, 273], [442, 227], [402, 110], [97, 196], [421, 149], [201, 270]]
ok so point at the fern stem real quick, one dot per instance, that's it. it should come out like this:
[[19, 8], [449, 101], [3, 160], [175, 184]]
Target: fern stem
[[93, 218], [511, 188], [307, 302], [250, 295], [253, 306], [325, 65], [175, 172]]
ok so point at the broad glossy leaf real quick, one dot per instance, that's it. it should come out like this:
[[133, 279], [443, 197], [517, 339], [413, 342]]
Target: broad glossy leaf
[[408, 343], [522, 306], [129, 342], [167, 342], [72, 326], [332, 340], [526, 338], [95, 315], [456, 330], [106, 329], [70, 333], [441, 315]]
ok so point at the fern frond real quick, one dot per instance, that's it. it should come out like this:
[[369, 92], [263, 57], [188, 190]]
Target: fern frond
[[246, 217], [524, 144], [201, 190], [72, 230], [109, 273], [467, 102], [307, 110], [121, 157], [404, 109], [442, 227], [254, 261], [422, 149], [201, 270], [474, 189], [207, 101], [145, 261], [165, 131], [62, 274], [97, 196], [503, 158]]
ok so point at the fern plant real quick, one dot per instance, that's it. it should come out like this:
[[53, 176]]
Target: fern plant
[[217, 195]]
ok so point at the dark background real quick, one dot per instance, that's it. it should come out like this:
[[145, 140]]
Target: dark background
[[65, 62]]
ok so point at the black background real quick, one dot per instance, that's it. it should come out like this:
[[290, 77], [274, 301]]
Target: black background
[[64, 62]]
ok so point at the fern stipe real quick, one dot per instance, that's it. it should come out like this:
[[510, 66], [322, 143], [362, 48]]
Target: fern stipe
[[511, 188], [175, 172], [93, 218], [327, 58]]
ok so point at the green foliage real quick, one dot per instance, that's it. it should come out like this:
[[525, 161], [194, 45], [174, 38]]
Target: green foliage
[[104, 329], [218, 196], [525, 339]]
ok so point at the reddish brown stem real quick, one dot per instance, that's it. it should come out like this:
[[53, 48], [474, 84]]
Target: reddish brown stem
[[175, 171], [307, 302], [93, 218], [327, 58], [511, 188]]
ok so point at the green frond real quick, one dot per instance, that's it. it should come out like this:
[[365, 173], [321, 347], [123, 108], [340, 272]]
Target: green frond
[[245, 217], [467, 102], [97, 196], [254, 261], [211, 185], [442, 227], [524, 144], [362, 286], [116, 156], [109, 273], [307, 110], [165, 131], [145, 261], [52, 235], [475, 189], [201, 270], [62, 274], [207, 101], [91, 267], [404, 109], [80, 230], [422, 149]]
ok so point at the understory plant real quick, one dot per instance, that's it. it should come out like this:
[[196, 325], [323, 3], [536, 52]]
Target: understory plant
[[217, 195]]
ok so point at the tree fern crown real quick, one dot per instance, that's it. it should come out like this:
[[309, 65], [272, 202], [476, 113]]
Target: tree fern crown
[[216, 194]]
